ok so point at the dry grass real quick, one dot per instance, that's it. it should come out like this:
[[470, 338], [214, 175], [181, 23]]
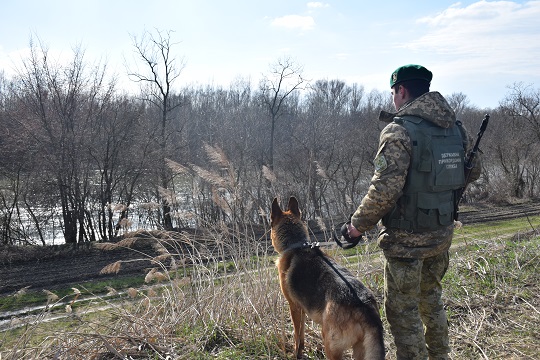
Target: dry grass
[[202, 305], [493, 297], [211, 308]]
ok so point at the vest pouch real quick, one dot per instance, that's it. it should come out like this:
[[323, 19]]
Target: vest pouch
[[427, 216], [427, 219], [446, 213], [435, 210]]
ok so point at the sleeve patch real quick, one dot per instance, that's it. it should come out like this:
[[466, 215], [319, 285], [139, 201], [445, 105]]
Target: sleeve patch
[[380, 163]]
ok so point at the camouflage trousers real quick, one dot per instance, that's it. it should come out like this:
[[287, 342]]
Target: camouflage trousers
[[414, 308]]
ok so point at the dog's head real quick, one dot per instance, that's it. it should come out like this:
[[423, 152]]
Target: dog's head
[[287, 227]]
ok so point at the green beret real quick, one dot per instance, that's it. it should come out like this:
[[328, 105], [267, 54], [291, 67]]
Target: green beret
[[410, 72]]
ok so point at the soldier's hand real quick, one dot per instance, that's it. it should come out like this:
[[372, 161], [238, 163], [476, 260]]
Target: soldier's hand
[[352, 231], [347, 241]]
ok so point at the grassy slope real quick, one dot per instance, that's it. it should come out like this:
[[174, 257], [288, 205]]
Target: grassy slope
[[491, 292]]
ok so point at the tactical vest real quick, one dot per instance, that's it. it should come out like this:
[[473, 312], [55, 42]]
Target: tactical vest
[[435, 172]]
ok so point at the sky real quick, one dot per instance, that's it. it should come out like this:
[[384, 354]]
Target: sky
[[478, 48]]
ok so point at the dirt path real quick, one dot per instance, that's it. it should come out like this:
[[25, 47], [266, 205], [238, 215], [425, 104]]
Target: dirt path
[[61, 266]]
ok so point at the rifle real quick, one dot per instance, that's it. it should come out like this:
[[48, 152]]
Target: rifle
[[469, 165]]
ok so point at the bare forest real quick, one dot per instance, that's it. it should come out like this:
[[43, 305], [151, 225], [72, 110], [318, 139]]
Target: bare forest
[[83, 160]]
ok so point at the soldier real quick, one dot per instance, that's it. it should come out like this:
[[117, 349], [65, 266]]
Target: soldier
[[418, 167]]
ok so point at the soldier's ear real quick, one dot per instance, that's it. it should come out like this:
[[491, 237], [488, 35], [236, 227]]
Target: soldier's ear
[[293, 206]]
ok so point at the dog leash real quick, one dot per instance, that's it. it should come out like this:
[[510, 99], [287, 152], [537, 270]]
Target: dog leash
[[310, 244], [317, 244], [344, 244]]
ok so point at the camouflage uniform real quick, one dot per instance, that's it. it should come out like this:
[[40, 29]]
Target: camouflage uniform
[[415, 261]]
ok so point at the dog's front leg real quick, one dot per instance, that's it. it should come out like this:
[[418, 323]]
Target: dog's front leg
[[299, 320]]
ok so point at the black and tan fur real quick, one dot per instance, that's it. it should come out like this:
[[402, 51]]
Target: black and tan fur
[[314, 284]]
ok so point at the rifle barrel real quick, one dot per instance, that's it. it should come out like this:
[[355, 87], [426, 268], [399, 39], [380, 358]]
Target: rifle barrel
[[458, 194]]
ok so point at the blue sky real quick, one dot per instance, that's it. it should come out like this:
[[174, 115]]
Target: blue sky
[[478, 48]]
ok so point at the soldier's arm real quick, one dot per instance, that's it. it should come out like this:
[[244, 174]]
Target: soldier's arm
[[391, 167]]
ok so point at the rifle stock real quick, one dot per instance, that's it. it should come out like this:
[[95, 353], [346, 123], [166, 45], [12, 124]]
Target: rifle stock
[[469, 162]]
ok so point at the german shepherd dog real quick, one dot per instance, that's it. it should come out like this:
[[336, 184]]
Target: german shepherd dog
[[314, 284]]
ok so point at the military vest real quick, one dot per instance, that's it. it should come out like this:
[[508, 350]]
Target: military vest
[[435, 172]]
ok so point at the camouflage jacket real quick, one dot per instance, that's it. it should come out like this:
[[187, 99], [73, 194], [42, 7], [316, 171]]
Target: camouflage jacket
[[391, 168]]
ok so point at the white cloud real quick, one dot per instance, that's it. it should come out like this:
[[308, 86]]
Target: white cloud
[[317, 4], [497, 35], [295, 22], [342, 56]]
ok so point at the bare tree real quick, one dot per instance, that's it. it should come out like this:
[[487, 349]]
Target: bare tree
[[285, 77], [517, 149], [513, 152], [459, 102], [357, 95], [58, 104], [157, 79], [120, 153], [523, 103], [319, 135]]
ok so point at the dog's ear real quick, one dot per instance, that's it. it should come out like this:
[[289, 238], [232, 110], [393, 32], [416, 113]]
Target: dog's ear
[[293, 206], [276, 210]]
